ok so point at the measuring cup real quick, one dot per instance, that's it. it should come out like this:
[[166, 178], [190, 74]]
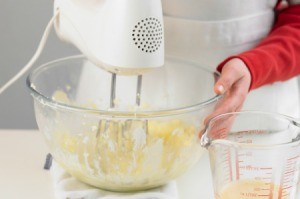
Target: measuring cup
[[254, 155]]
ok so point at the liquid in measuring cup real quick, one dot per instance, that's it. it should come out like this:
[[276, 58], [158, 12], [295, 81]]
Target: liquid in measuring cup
[[249, 189]]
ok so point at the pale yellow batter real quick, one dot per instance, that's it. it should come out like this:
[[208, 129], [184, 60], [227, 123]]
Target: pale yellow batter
[[132, 160]]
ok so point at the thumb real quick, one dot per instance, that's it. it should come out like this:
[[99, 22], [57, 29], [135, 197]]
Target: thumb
[[230, 74]]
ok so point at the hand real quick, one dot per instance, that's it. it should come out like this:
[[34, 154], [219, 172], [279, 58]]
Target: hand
[[234, 83]]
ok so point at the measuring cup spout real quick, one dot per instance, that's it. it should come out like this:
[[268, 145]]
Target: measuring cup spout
[[205, 141]]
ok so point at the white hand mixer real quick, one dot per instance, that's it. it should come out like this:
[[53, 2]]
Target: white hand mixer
[[124, 37]]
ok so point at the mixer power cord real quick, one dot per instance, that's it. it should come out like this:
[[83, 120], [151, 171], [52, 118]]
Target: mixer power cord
[[35, 56]]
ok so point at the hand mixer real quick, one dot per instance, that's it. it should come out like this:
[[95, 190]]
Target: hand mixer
[[123, 37]]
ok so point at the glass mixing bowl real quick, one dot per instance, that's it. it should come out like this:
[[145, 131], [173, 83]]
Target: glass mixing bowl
[[129, 147]]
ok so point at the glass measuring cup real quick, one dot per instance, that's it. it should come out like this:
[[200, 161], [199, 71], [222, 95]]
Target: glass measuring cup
[[254, 155]]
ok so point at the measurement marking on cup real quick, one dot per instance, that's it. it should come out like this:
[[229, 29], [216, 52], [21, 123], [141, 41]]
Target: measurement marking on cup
[[290, 162], [249, 168], [266, 168], [265, 189], [289, 172], [292, 158], [287, 180], [237, 163], [228, 162], [285, 188], [288, 176]]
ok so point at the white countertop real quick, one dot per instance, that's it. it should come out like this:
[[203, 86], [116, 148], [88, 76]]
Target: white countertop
[[22, 157]]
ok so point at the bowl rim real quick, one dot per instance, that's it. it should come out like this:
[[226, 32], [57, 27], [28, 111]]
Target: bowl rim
[[113, 113]]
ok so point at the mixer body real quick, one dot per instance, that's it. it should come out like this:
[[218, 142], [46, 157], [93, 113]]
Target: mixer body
[[121, 36], [124, 37]]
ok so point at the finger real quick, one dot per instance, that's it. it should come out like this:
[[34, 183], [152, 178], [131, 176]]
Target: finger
[[219, 128], [228, 104], [232, 101], [230, 75], [236, 95]]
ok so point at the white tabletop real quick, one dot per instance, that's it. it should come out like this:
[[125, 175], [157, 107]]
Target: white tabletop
[[22, 157]]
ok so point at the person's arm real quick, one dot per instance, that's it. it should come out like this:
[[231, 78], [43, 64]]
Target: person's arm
[[276, 58]]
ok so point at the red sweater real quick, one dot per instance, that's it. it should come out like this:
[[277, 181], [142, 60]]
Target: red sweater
[[277, 57]]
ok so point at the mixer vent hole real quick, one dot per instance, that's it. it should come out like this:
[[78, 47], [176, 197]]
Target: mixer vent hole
[[149, 33]]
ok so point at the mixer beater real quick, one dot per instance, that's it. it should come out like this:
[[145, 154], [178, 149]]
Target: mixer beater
[[123, 37], [121, 127], [113, 90]]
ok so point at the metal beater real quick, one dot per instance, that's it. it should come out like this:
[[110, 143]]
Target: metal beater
[[105, 125]]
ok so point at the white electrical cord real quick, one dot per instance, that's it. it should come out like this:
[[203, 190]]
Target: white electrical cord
[[35, 56]]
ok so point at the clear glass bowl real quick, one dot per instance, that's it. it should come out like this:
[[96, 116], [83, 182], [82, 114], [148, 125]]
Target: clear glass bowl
[[126, 148]]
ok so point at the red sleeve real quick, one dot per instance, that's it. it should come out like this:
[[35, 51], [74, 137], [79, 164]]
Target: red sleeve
[[277, 57]]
